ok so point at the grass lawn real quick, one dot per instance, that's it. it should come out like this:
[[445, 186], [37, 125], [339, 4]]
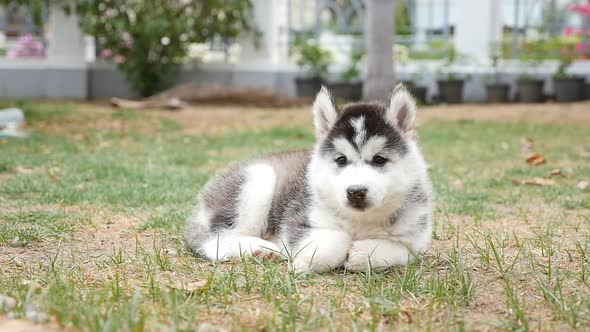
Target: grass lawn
[[93, 204]]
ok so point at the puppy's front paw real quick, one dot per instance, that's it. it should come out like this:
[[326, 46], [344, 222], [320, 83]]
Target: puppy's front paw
[[321, 251], [358, 259], [377, 255], [303, 264], [368, 255], [313, 263]]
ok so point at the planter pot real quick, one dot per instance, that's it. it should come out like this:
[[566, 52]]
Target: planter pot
[[346, 91], [497, 93], [308, 87], [568, 89], [450, 91], [356, 91], [587, 91], [339, 90], [530, 91], [419, 92]]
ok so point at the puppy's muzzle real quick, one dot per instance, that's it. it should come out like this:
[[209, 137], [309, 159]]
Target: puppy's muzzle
[[357, 196]]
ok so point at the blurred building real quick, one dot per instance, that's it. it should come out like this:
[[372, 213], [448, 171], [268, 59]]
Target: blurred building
[[56, 60]]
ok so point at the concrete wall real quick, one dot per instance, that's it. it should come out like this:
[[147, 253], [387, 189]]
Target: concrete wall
[[30, 79], [426, 73], [104, 81], [37, 79]]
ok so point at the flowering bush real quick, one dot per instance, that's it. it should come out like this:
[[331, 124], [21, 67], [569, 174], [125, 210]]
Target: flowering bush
[[583, 9], [148, 39], [572, 46], [580, 48], [27, 47]]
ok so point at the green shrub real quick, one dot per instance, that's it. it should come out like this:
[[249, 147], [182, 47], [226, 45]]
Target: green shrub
[[352, 72], [149, 39], [311, 57]]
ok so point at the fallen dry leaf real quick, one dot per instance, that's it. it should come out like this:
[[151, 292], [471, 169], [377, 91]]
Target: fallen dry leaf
[[535, 159], [582, 185], [526, 145], [190, 286], [532, 157], [555, 172], [23, 170], [535, 181]]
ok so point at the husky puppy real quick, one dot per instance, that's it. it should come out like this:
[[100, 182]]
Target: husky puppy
[[360, 199]]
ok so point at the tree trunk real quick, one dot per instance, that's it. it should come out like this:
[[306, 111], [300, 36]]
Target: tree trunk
[[379, 37]]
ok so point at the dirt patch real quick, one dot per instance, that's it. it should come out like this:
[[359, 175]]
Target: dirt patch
[[107, 234], [574, 113], [19, 325], [99, 117], [193, 93], [218, 120]]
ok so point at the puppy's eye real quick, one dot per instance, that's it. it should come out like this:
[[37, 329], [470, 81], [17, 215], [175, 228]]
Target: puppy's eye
[[378, 160], [341, 161]]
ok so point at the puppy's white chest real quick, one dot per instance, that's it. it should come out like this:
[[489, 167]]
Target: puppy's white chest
[[365, 229], [357, 228]]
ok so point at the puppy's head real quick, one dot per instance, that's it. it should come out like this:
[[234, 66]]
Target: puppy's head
[[364, 158]]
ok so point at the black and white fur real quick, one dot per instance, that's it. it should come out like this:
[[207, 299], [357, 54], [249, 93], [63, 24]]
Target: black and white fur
[[360, 199]]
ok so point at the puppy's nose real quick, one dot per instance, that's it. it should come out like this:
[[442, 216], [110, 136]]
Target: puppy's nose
[[356, 193]]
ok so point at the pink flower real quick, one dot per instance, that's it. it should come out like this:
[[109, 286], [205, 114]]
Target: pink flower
[[12, 54], [580, 47], [26, 39], [107, 53], [570, 31], [37, 46], [583, 9], [127, 40], [119, 59], [27, 46]]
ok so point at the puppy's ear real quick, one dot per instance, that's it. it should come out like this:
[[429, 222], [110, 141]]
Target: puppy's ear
[[402, 109], [325, 113]]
